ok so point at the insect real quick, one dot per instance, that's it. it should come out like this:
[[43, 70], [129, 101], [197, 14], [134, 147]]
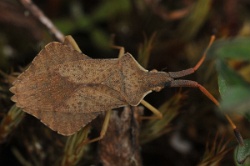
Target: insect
[[66, 89]]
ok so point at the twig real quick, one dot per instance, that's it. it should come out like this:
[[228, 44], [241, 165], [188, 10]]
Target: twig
[[120, 146], [30, 6]]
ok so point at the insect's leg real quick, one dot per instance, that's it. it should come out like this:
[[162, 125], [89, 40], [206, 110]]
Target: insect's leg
[[72, 43], [156, 112], [121, 50], [103, 131]]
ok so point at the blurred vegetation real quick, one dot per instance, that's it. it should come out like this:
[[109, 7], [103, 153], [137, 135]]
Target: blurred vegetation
[[162, 35]]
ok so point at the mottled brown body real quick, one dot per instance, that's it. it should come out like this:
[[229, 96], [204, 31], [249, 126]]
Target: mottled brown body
[[66, 89]]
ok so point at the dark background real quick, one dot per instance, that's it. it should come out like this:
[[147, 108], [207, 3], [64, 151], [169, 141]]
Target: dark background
[[163, 35]]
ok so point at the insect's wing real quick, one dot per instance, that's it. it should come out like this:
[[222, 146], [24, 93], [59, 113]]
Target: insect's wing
[[92, 98], [64, 105], [67, 110], [64, 123], [78, 110], [35, 85], [53, 54]]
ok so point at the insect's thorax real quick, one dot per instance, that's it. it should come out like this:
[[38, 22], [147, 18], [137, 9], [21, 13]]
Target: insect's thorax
[[137, 82]]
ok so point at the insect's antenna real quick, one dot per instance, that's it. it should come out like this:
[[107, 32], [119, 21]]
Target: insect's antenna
[[205, 53], [189, 71], [193, 84]]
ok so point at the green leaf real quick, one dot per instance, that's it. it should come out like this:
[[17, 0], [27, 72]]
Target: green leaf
[[231, 77], [241, 153], [100, 39], [237, 48], [110, 9], [235, 91], [236, 100]]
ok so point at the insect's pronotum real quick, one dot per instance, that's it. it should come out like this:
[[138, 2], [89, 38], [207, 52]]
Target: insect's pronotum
[[66, 89]]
